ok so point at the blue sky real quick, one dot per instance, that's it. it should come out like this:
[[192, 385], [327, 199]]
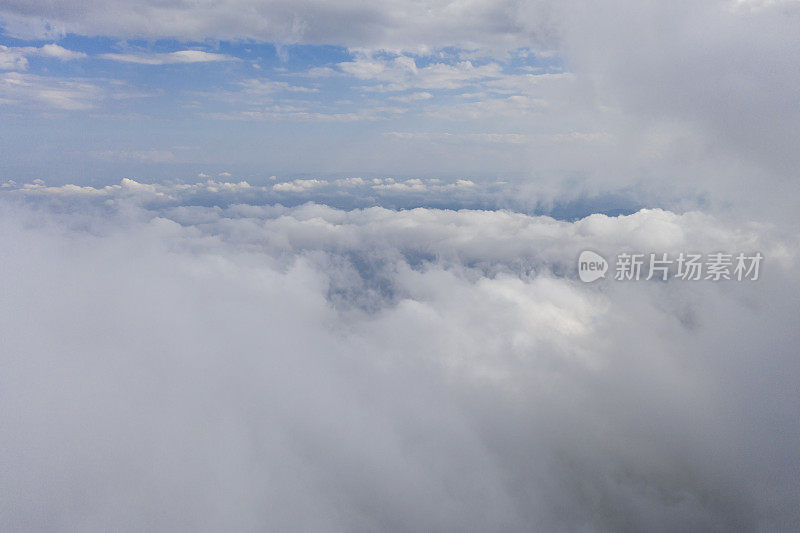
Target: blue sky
[[101, 108], [552, 96]]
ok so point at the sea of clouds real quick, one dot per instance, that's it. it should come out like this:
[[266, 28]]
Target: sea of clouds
[[173, 366], [373, 354]]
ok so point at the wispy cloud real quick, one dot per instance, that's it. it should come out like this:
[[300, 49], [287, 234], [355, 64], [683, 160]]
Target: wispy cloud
[[56, 93], [169, 58], [295, 113], [401, 72], [149, 156], [68, 94]]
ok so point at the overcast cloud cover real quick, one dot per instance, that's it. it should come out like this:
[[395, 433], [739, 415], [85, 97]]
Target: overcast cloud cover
[[312, 266]]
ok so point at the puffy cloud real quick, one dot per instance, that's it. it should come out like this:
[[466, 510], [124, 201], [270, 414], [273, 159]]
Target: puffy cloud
[[15, 58], [12, 59], [298, 185], [274, 367], [354, 192], [59, 52]]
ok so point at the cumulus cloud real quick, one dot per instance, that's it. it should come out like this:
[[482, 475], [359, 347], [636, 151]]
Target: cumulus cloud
[[15, 58], [349, 192], [314, 368], [59, 52], [298, 185], [12, 59]]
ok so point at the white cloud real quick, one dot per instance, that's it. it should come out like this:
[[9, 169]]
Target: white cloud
[[264, 86], [316, 368], [15, 58], [68, 94], [12, 59], [58, 52], [401, 73], [358, 191], [299, 185], [313, 368], [351, 182], [169, 58], [413, 97], [65, 94], [412, 185]]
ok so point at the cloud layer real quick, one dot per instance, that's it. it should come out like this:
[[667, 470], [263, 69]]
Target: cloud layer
[[351, 23], [389, 336], [258, 367]]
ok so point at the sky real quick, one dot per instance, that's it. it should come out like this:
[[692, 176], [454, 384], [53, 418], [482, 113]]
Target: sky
[[313, 265], [678, 102], [170, 109]]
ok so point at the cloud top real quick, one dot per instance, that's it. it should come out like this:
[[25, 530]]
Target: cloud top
[[311, 367]]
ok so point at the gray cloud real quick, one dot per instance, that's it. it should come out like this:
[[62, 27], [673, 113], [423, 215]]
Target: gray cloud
[[353, 23], [714, 83]]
